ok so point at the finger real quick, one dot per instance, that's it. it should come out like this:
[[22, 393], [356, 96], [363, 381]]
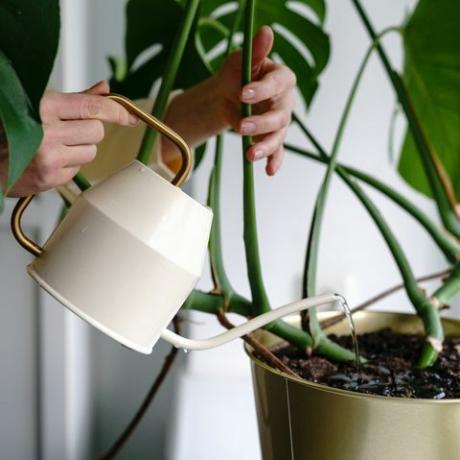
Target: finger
[[274, 162], [272, 85], [262, 44], [81, 106], [78, 155], [75, 132], [101, 88], [273, 120], [267, 146]]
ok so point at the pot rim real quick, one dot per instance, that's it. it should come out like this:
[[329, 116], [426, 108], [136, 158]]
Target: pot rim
[[349, 393]]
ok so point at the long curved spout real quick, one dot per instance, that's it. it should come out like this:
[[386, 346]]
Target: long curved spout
[[251, 325]]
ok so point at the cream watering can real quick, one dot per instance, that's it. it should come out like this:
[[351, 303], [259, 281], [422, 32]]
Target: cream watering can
[[129, 252]]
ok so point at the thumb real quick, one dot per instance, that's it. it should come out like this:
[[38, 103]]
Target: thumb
[[101, 88], [262, 44]]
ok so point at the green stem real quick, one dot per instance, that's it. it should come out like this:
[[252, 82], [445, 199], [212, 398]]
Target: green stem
[[259, 296], [220, 278], [440, 190], [321, 340], [449, 288], [449, 247], [424, 307], [212, 303], [280, 328], [169, 76], [81, 182]]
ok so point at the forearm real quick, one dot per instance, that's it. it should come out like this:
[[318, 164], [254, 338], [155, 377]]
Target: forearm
[[196, 114]]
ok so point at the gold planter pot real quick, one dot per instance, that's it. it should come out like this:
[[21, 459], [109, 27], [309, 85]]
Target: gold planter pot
[[300, 420]]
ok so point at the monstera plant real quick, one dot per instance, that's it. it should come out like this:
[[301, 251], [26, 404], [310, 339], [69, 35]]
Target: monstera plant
[[182, 42], [212, 23]]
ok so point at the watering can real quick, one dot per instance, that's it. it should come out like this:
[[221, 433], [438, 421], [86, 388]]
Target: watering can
[[129, 252]]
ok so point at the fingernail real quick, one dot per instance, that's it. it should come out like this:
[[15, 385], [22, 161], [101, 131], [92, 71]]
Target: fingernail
[[258, 154], [248, 127], [133, 120], [248, 94]]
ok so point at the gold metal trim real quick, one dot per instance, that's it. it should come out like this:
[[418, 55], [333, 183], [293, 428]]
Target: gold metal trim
[[149, 120], [16, 228], [154, 123]]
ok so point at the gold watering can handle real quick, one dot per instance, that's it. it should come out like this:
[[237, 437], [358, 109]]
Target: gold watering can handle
[[150, 121]]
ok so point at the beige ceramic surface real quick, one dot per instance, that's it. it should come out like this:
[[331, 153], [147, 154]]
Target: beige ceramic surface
[[305, 421], [127, 255]]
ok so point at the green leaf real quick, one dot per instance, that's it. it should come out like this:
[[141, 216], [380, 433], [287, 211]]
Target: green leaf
[[29, 34], [23, 131], [432, 75], [151, 26]]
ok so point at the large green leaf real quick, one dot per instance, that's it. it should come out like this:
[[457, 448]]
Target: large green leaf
[[432, 75], [23, 131], [29, 33]]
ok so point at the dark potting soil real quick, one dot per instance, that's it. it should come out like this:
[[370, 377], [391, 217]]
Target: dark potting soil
[[391, 368]]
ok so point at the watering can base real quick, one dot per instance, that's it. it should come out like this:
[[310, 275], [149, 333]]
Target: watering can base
[[146, 350]]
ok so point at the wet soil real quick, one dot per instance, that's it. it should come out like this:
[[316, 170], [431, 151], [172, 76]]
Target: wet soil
[[391, 368]]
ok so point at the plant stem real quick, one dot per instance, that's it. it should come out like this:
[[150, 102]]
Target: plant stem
[[322, 342], [221, 281], [230, 300], [424, 307], [449, 247], [441, 188], [212, 303], [449, 289], [219, 275], [259, 296], [169, 76], [81, 182]]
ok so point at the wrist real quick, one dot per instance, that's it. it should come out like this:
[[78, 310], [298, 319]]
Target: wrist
[[198, 113]]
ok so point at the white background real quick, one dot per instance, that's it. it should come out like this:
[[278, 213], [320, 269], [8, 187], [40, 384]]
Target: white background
[[206, 411]]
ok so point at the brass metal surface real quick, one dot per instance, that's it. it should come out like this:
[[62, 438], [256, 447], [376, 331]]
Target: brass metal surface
[[301, 420], [16, 227], [153, 123]]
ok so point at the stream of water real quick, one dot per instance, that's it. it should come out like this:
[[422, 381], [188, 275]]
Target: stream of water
[[347, 312]]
